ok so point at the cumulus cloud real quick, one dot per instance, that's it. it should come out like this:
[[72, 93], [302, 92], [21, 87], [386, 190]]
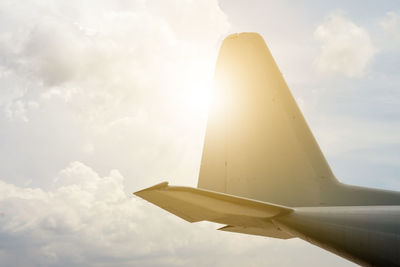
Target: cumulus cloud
[[117, 76], [345, 46], [103, 54], [99, 80], [83, 220]]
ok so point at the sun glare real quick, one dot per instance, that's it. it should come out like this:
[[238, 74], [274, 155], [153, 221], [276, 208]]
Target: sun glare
[[197, 90], [198, 100]]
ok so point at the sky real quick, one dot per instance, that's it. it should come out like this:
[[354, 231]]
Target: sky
[[99, 99]]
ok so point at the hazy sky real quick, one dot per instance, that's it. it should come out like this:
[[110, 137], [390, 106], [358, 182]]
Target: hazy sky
[[99, 99]]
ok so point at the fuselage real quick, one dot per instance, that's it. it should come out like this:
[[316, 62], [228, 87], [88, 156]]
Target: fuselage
[[367, 235]]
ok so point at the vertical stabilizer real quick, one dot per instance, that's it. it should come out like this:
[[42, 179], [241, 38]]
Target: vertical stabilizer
[[257, 143]]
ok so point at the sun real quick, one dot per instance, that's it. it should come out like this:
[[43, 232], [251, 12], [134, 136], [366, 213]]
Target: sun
[[197, 89]]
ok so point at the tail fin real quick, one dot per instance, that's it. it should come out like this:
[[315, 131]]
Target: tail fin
[[257, 142]]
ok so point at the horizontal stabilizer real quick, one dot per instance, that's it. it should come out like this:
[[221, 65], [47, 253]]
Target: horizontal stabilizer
[[193, 205]]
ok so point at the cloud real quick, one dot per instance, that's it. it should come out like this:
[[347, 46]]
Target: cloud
[[345, 47], [104, 76], [84, 220], [391, 26], [102, 55]]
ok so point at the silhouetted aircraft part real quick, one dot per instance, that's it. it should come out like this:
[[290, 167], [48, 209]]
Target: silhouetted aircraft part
[[263, 173]]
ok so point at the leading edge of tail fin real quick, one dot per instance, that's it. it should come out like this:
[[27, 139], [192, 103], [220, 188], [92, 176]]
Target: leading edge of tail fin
[[239, 214], [257, 142]]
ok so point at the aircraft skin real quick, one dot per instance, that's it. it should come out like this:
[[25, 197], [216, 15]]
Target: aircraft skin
[[367, 235], [263, 173]]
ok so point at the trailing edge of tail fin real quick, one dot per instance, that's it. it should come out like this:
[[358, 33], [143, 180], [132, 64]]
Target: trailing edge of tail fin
[[241, 215], [257, 143]]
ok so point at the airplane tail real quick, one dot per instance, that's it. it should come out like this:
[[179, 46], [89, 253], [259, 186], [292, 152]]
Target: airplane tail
[[258, 144], [260, 160]]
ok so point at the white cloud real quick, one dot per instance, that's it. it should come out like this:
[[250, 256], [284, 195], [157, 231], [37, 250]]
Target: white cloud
[[391, 25], [345, 47], [90, 66], [84, 220], [101, 55]]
